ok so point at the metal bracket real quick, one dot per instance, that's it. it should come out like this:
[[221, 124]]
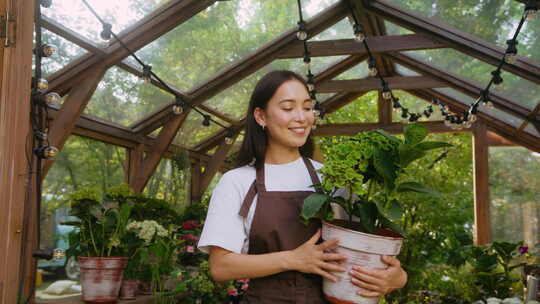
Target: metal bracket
[[8, 28]]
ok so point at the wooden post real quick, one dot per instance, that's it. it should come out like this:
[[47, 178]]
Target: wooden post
[[134, 164], [482, 226], [195, 182], [384, 109], [15, 80]]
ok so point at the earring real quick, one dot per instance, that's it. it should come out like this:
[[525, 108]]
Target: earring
[[262, 126]]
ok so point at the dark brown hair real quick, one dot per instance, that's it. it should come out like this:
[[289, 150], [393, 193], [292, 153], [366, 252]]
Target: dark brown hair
[[255, 139]]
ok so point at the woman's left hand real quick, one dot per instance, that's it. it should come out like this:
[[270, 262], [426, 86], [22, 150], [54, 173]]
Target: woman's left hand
[[379, 282]]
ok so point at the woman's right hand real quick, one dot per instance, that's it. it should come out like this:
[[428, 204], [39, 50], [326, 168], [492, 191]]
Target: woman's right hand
[[312, 258]]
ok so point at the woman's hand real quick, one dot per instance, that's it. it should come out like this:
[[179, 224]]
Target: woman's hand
[[312, 258], [379, 282]]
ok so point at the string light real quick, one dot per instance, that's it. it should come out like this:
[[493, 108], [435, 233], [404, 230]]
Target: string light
[[229, 138], [302, 34], [396, 106], [386, 94], [310, 82], [372, 67], [45, 3], [52, 98], [42, 84], [531, 9], [358, 30], [106, 33], [46, 152], [206, 120], [497, 79], [46, 50], [178, 107], [511, 52], [147, 73]]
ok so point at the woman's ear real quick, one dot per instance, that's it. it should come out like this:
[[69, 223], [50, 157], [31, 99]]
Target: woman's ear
[[260, 116]]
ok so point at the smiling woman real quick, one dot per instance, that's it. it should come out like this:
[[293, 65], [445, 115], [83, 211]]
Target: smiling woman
[[253, 230]]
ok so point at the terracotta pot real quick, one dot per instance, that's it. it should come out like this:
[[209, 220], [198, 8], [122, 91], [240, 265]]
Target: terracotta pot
[[361, 249], [101, 278], [128, 290]]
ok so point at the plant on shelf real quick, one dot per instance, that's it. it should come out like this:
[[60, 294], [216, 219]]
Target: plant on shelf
[[96, 241], [364, 175]]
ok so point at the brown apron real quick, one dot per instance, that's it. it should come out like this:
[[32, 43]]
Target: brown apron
[[276, 227]]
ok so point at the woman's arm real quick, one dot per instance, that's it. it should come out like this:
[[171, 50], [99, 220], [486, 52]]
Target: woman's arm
[[379, 282], [308, 258]]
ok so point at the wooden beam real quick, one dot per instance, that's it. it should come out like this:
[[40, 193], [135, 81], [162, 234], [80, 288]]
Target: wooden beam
[[134, 160], [16, 262], [71, 36], [195, 187], [530, 117], [152, 27], [482, 226], [502, 103], [217, 161], [251, 63], [377, 44], [70, 112], [395, 128], [163, 141], [373, 83], [496, 140], [454, 38], [384, 109]]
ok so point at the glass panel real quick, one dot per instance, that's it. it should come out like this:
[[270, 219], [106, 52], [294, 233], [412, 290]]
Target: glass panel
[[234, 100], [66, 52], [123, 98], [496, 113], [405, 71], [81, 164], [414, 105], [514, 179], [170, 181], [394, 29], [363, 109], [120, 13], [193, 132], [532, 130], [188, 54], [341, 30], [516, 88], [357, 72], [492, 21]]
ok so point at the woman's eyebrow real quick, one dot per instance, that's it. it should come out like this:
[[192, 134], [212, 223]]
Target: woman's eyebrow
[[286, 100]]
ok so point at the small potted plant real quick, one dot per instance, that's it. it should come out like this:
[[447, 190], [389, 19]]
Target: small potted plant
[[370, 168], [96, 242]]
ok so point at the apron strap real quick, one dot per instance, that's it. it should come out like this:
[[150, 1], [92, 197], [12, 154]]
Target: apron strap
[[248, 200], [311, 170], [259, 179]]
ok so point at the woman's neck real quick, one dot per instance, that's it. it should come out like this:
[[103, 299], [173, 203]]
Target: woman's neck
[[277, 155]]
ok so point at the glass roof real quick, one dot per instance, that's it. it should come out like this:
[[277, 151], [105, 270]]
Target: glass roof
[[189, 54], [405, 71], [394, 29], [66, 52], [415, 105], [532, 130], [123, 98], [193, 132], [363, 109], [492, 21], [357, 72], [341, 30], [120, 13], [496, 113], [477, 72]]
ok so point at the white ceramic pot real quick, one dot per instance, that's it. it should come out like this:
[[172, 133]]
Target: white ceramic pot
[[101, 278], [361, 249]]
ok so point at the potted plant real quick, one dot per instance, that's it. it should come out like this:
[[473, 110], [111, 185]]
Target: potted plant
[[96, 242], [370, 168]]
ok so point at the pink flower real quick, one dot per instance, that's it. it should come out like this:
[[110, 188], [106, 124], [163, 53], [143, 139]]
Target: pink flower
[[523, 249], [232, 292], [245, 286], [190, 225], [243, 281], [190, 249], [190, 237]]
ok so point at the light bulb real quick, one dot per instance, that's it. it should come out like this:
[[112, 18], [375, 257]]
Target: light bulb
[[373, 71], [488, 105], [52, 97], [228, 140], [42, 84], [510, 58], [473, 118], [48, 50], [310, 86], [387, 95], [178, 109], [467, 124], [301, 35], [359, 32], [447, 123], [531, 9], [50, 152]]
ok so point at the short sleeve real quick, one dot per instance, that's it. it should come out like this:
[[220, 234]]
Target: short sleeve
[[223, 226]]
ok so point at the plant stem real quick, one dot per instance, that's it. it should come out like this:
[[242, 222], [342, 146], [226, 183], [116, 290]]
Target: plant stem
[[92, 237], [350, 206]]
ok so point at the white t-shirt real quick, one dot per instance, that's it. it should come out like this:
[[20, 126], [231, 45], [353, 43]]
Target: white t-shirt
[[224, 227]]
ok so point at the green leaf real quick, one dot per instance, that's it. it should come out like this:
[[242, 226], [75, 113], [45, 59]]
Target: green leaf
[[395, 211], [384, 165], [415, 133], [417, 187], [389, 136], [408, 154], [386, 223], [312, 204], [368, 213], [430, 145]]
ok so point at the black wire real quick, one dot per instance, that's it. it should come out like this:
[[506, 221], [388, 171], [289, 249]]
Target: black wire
[[165, 85], [300, 11]]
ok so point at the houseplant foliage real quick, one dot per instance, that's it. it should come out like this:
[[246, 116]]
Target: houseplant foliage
[[371, 167]]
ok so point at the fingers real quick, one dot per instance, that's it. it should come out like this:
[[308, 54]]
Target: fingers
[[370, 272], [328, 244], [334, 257], [326, 275], [332, 267], [366, 286], [366, 278], [391, 261], [315, 238]]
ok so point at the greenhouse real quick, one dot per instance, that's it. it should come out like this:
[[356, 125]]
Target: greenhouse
[[119, 119]]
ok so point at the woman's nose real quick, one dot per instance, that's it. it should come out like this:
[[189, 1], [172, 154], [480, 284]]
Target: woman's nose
[[300, 114]]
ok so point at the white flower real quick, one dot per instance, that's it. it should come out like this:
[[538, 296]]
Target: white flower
[[493, 301], [512, 301], [147, 229]]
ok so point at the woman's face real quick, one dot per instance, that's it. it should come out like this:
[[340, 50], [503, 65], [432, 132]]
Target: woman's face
[[288, 116]]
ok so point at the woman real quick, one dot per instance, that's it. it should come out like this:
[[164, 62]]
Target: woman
[[253, 229]]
